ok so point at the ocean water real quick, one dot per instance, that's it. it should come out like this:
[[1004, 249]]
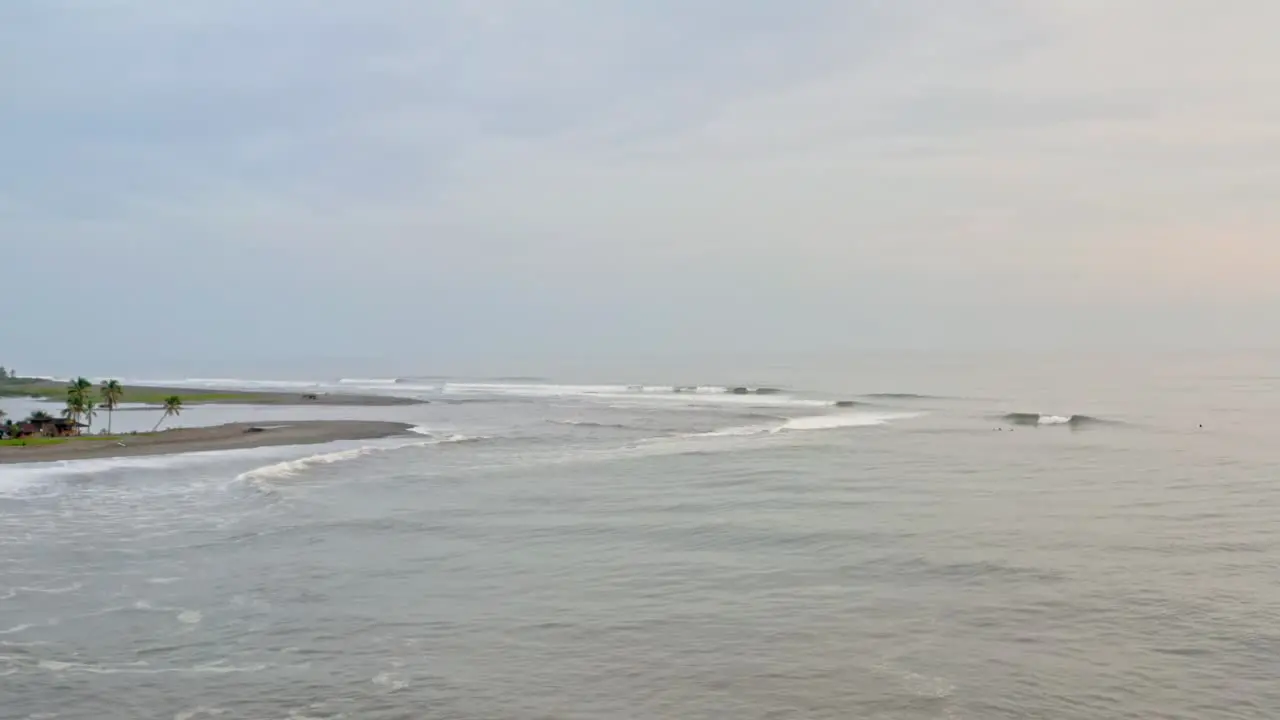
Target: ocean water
[[999, 537]]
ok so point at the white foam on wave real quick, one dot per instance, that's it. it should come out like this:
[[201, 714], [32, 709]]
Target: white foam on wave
[[201, 711], [550, 390], [709, 400], [225, 383], [811, 422], [1054, 420], [389, 386], [22, 480], [141, 668], [252, 383], [846, 420], [390, 680], [742, 431], [292, 468], [22, 589], [15, 484], [289, 468], [18, 644], [532, 389], [736, 437], [33, 480]]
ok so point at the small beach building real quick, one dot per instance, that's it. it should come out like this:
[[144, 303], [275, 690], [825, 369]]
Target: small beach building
[[55, 427]]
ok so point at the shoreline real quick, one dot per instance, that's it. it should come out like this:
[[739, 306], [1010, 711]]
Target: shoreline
[[232, 436], [155, 395]]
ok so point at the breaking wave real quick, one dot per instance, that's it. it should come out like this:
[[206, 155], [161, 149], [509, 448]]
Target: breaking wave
[[26, 480], [811, 422], [592, 424], [1038, 419], [835, 422], [553, 390], [231, 383], [292, 468]]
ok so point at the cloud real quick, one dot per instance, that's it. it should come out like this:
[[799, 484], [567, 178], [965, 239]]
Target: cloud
[[800, 159]]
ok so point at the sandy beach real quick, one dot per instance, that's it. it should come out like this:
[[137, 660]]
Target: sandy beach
[[233, 436]]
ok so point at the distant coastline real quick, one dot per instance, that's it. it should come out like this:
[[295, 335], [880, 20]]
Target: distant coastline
[[232, 436], [56, 391]]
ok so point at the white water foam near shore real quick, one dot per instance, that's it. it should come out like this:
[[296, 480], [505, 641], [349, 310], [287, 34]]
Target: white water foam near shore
[[586, 549], [294, 467]]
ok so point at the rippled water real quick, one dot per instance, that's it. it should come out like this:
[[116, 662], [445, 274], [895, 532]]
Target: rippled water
[[604, 552]]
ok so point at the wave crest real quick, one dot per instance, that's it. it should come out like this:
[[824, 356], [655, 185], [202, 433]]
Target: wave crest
[[1038, 419], [836, 422], [813, 422], [292, 468]]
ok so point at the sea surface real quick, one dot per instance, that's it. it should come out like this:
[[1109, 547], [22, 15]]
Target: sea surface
[[1010, 536]]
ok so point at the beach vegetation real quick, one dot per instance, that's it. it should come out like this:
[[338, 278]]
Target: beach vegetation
[[37, 440], [78, 400], [89, 412], [26, 441], [172, 408], [111, 392], [53, 392]]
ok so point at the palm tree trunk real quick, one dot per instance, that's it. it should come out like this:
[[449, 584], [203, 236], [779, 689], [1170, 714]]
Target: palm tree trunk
[[111, 412], [162, 419]]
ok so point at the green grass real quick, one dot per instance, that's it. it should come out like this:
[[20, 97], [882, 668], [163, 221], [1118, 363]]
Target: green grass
[[33, 442], [38, 441], [58, 393], [32, 390], [159, 398]]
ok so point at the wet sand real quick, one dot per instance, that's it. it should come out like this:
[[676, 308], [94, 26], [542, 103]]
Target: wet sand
[[233, 436]]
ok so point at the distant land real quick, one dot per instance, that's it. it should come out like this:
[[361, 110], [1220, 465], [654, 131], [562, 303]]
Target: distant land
[[56, 391]]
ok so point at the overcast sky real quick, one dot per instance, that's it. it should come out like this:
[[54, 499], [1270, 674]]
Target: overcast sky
[[210, 184]]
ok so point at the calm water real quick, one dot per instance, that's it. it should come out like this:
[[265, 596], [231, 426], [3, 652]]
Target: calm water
[[550, 550]]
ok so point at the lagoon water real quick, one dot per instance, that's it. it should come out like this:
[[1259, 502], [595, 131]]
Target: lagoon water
[[571, 548]]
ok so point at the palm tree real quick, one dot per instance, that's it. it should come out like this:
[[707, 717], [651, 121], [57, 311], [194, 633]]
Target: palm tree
[[89, 411], [80, 385], [77, 404], [172, 406], [111, 392], [77, 396]]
